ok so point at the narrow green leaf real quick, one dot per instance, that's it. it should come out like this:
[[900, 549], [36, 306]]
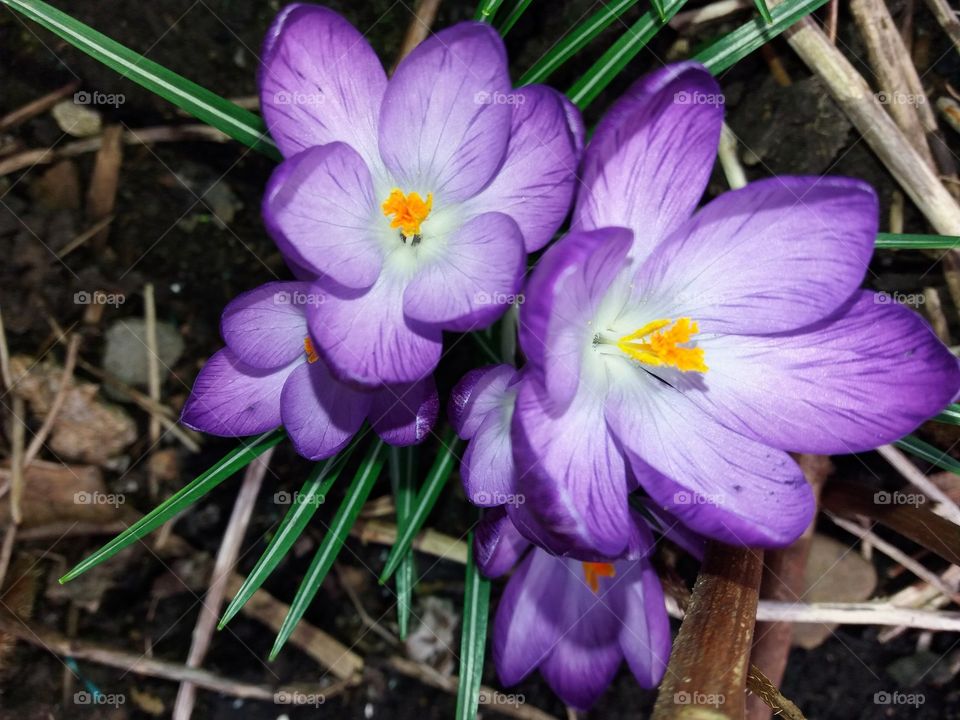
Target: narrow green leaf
[[484, 345], [735, 46], [402, 469], [518, 10], [303, 507], [895, 241], [578, 38], [235, 460], [209, 107], [473, 640], [353, 501], [604, 70], [426, 499], [928, 452], [764, 10], [486, 10], [950, 414], [657, 5]]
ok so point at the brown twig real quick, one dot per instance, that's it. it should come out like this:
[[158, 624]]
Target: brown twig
[[153, 376], [419, 28], [66, 380], [772, 699], [947, 18], [428, 541], [37, 107]]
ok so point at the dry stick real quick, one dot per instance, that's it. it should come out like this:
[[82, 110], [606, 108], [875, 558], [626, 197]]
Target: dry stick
[[947, 19], [37, 107], [84, 236], [428, 541], [857, 614], [102, 194], [707, 674], [916, 478], [783, 579], [16, 457], [761, 688], [153, 377], [144, 665], [729, 160], [833, 12], [226, 559], [66, 380], [690, 19], [6, 552], [419, 28]]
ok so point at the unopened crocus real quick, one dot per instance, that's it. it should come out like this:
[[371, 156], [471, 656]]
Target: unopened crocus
[[270, 374], [687, 351], [416, 199]]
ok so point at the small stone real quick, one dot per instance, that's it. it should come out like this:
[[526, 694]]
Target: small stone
[[77, 120], [126, 350]]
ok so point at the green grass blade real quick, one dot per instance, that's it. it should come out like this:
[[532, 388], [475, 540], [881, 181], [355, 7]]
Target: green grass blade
[[486, 10], [657, 5], [735, 46], [402, 470], [347, 513], [209, 107], [235, 460], [448, 456], [604, 70], [473, 640], [764, 10], [894, 241], [950, 414], [518, 10], [304, 506], [926, 451], [575, 41]]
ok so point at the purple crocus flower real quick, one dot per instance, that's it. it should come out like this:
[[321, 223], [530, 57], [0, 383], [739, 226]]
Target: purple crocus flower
[[271, 374], [414, 200], [688, 351]]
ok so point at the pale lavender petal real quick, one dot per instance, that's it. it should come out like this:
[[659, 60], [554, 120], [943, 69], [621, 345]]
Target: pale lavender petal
[[775, 255], [478, 392], [859, 379], [560, 300], [266, 327], [232, 399], [320, 414], [536, 183], [320, 82], [366, 339], [645, 626], [488, 470], [444, 124], [320, 209], [649, 161], [473, 279], [405, 414], [497, 546]]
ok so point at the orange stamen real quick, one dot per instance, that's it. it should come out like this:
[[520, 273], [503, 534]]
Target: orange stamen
[[660, 343], [593, 571], [408, 211], [310, 350]]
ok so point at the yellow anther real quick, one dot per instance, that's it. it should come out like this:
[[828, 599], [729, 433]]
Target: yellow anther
[[310, 350], [593, 571], [407, 211], [661, 343]]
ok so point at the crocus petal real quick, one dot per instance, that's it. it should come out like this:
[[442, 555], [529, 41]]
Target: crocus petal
[[232, 399], [561, 298], [320, 82], [478, 392], [719, 483], [536, 183], [405, 414], [444, 126], [645, 630], [470, 282], [366, 339], [320, 414], [497, 546], [320, 209], [571, 475], [727, 268], [859, 379], [265, 327], [649, 161]]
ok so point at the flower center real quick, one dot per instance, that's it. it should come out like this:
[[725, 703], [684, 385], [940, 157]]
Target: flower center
[[310, 350], [593, 571], [407, 212], [662, 343]]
